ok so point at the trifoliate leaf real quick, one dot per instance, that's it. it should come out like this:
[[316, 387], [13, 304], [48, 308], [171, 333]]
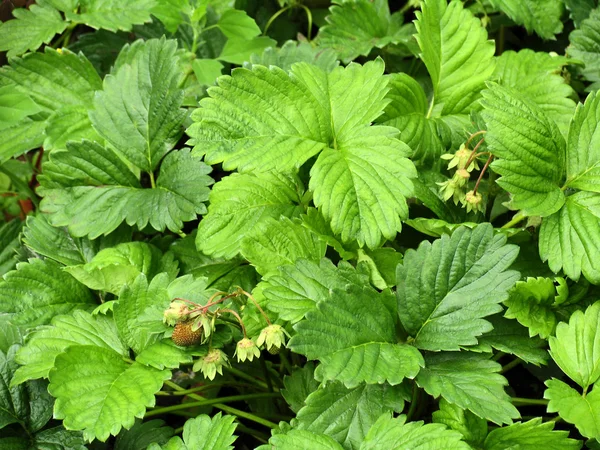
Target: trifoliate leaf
[[541, 16], [531, 302], [210, 433], [236, 24], [473, 429], [361, 180], [139, 110], [347, 414], [355, 351], [238, 51], [39, 290], [29, 405], [585, 46], [143, 434], [112, 14], [15, 106], [81, 328], [70, 123], [570, 238], [530, 149], [9, 243], [299, 385], [509, 336], [294, 52], [537, 75], [239, 202], [445, 289], [296, 289], [92, 191], [581, 410], [395, 434], [273, 243], [531, 435], [301, 440], [350, 35], [114, 267], [470, 381], [457, 53], [98, 392], [576, 346], [30, 28]]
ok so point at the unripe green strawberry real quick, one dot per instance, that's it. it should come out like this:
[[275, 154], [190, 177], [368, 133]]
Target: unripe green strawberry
[[184, 336]]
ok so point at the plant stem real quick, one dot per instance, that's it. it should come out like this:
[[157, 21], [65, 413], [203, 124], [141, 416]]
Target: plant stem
[[247, 294], [487, 163], [261, 437], [528, 401], [273, 17], [518, 217], [21, 186], [245, 415], [247, 377], [205, 387], [310, 20], [515, 362], [263, 364], [413, 402]]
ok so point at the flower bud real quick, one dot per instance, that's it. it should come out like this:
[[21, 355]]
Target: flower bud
[[246, 349], [273, 337], [474, 201], [211, 364]]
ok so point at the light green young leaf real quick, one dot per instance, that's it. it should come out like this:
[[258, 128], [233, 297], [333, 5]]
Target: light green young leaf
[[294, 52], [238, 51], [63, 5], [30, 28], [210, 433], [236, 24], [39, 290], [37, 356], [301, 440], [299, 385], [470, 381], [530, 149], [395, 434], [582, 411], [70, 123], [347, 414], [15, 106], [297, 288], [98, 392], [112, 15], [570, 238], [355, 351], [9, 243], [456, 50], [585, 46], [142, 434], [354, 27], [473, 429], [445, 289], [531, 435], [273, 243], [207, 70], [381, 263], [576, 346], [541, 16], [92, 191], [239, 203], [163, 354]]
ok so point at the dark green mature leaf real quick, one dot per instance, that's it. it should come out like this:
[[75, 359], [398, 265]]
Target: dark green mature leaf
[[541, 16], [70, 123], [37, 356], [9, 243], [473, 429], [58, 438], [301, 440], [395, 434], [354, 351], [531, 435], [292, 52], [530, 149], [580, 10], [347, 414], [20, 137], [98, 392], [39, 290], [9, 334], [143, 434], [42, 238], [299, 385], [240, 202], [457, 53], [112, 14], [30, 28], [585, 46], [445, 289], [470, 381]]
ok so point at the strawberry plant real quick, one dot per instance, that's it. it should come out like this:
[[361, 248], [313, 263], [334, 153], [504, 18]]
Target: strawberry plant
[[300, 224]]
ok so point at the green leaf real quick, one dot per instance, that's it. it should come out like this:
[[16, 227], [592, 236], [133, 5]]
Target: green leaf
[[9, 243], [355, 351], [236, 24], [473, 429], [241, 202], [98, 392], [46, 343], [43, 239], [585, 45], [350, 35], [112, 14], [28, 405], [210, 433], [114, 267], [15, 106], [470, 381], [347, 414], [70, 123], [292, 52], [91, 190], [20, 137], [101, 48], [576, 347], [445, 289], [301, 440], [9, 334], [457, 53], [530, 435], [382, 263], [143, 434], [237, 51], [207, 70], [58, 438], [315, 222], [296, 289], [570, 238], [541, 16], [582, 411], [30, 29], [273, 243], [138, 112], [299, 385], [163, 354], [530, 149], [39, 290], [531, 303], [395, 434], [579, 10], [313, 111]]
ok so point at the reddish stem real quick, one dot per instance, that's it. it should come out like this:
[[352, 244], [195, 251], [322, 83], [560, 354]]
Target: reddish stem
[[487, 163]]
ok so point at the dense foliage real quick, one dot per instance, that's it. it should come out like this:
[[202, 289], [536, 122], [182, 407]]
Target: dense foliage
[[296, 224]]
